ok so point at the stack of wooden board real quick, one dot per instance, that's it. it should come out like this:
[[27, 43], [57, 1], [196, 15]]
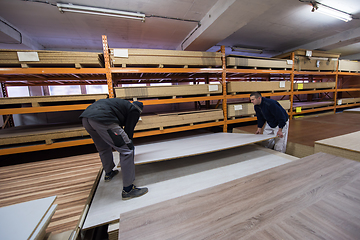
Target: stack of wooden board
[[313, 60], [345, 101], [257, 62], [162, 58], [27, 220], [167, 91], [349, 66], [314, 85], [247, 109], [45, 58], [161, 121], [298, 106], [346, 146], [352, 110], [261, 86]]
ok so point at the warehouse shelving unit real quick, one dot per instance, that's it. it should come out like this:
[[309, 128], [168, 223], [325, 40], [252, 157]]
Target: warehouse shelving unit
[[112, 76]]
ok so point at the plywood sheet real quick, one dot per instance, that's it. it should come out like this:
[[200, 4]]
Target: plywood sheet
[[191, 146], [20, 221], [309, 105], [167, 91], [246, 109], [345, 145], [349, 66], [313, 85], [311, 198], [345, 101], [171, 179], [244, 61]]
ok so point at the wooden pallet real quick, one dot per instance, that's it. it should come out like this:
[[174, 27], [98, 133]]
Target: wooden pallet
[[44, 58], [162, 121], [167, 91], [262, 86], [163, 58]]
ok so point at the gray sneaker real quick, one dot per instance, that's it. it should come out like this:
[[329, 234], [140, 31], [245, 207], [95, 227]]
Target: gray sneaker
[[134, 192], [110, 176]]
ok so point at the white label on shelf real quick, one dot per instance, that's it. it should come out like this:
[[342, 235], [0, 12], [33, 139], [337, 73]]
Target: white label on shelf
[[340, 102], [282, 84], [237, 107], [213, 88], [121, 52], [140, 119], [289, 62], [28, 56], [308, 53]]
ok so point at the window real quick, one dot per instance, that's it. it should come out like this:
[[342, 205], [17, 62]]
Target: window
[[65, 90], [22, 91], [94, 89]]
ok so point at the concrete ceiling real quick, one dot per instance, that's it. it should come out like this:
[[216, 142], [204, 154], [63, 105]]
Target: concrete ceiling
[[275, 26]]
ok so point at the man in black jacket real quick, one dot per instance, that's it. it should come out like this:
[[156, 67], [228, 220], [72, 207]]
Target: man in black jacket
[[276, 118], [110, 123]]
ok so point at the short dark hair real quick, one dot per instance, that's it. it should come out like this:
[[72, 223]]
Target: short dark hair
[[256, 94]]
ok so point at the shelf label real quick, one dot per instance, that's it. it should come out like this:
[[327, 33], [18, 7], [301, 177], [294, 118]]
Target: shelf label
[[282, 84], [28, 56], [300, 86], [308, 53], [213, 87], [298, 109], [237, 107], [289, 62], [121, 52], [340, 102]]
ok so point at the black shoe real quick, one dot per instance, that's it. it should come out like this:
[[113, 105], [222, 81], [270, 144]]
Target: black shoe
[[110, 175], [133, 193]]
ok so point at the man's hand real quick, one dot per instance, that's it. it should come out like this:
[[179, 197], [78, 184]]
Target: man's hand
[[280, 133], [258, 131]]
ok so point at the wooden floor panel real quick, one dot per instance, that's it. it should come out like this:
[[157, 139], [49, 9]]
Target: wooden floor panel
[[70, 179], [312, 198]]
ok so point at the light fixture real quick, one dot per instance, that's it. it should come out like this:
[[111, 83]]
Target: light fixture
[[68, 7], [247, 50], [330, 11]]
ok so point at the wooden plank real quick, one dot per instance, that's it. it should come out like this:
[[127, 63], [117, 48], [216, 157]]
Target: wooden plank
[[352, 110], [172, 179], [247, 109], [347, 101], [349, 66], [167, 91], [344, 145], [245, 61], [311, 105], [314, 85], [320, 204]]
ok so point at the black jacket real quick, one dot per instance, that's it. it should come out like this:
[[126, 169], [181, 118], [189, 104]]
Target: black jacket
[[272, 112], [114, 110]]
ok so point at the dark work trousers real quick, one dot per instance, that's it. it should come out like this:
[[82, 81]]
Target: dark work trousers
[[105, 138]]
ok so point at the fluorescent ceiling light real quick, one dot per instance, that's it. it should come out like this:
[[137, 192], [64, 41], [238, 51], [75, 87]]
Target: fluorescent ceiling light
[[64, 7], [332, 12], [247, 50]]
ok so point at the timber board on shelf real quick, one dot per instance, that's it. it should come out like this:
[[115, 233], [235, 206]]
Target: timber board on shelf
[[261, 86], [257, 62], [50, 58], [314, 85], [349, 66], [151, 57], [343, 101], [310, 105], [160, 121], [167, 91], [247, 109]]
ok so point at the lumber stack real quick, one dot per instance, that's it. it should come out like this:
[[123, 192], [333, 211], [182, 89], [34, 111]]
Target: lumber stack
[[247, 109], [44, 58], [257, 62], [161, 121], [298, 106], [345, 101], [314, 85], [349, 66], [261, 86], [167, 91], [121, 57]]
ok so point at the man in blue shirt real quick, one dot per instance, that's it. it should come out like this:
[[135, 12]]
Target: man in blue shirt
[[276, 118]]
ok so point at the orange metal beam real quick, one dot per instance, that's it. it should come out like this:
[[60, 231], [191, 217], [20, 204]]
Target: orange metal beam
[[52, 71], [257, 71], [314, 110], [166, 70], [34, 148], [180, 100], [348, 105], [240, 120], [349, 90], [61, 108]]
